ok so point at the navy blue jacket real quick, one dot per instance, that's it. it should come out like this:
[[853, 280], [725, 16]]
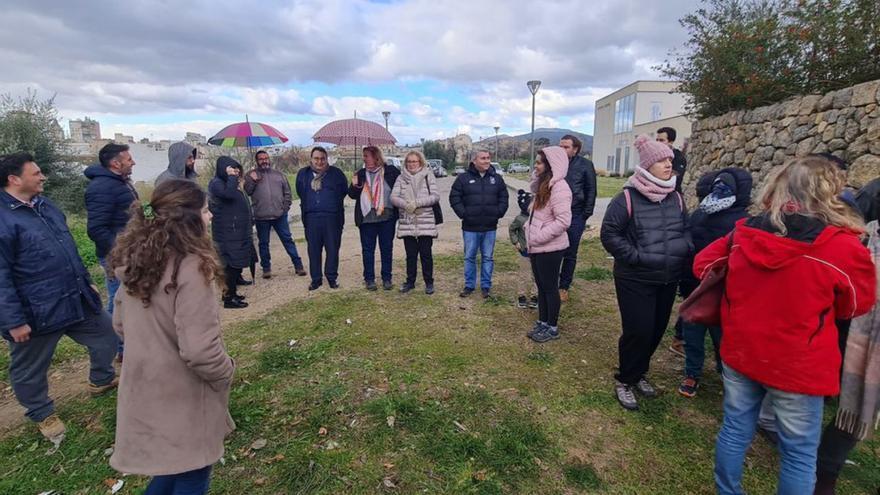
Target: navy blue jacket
[[328, 202], [43, 281], [479, 201], [232, 226], [108, 198]]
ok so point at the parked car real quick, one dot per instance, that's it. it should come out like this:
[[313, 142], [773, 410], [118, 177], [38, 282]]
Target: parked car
[[458, 171], [498, 168], [438, 171], [518, 168], [393, 160]]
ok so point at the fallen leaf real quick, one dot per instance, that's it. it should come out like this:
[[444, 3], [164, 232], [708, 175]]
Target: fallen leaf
[[276, 458], [259, 444], [322, 431], [388, 483], [109, 482], [260, 481], [460, 426], [348, 321], [542, 410], [117, 486], [390, 420], [331, 445], [108, 451], [388, 465], [480, 475]]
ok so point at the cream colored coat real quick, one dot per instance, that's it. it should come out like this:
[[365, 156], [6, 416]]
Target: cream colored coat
[[173, 403], [421, 189]]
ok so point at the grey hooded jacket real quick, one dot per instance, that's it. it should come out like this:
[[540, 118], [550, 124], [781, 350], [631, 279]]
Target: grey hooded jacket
[[177, 155]]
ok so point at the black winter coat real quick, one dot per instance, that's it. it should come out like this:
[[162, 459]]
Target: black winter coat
[[581, 178], [653, 244], [391, 174], [706, 228], [679, 165], [479, 201], [43, 281], [232, 225], [108, 199]]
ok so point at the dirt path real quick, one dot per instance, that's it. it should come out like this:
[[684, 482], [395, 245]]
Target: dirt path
[[69, 380]]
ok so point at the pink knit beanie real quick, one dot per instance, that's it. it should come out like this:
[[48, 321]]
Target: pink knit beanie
[[651, 151]]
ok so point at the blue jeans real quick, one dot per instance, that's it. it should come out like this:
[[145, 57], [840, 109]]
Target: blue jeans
[[384, 232], [112, 288], [695, 347], [570, 256], [282, 228], [799, 418], [195, 482], [485, 242]]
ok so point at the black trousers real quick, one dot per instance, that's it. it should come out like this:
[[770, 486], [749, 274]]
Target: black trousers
[[232, 276], [323, 235], [644, 313], [545, 268], [419, 248]]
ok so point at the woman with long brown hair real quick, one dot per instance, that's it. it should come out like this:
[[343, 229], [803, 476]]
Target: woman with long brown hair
[[546, 236], [172, 408], [792, 269]]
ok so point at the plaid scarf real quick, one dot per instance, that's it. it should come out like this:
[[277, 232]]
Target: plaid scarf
[[857, 413], [317, 179]]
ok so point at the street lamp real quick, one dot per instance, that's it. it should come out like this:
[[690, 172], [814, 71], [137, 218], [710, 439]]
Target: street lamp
[[533, 87], [386, 114], [498, 158]]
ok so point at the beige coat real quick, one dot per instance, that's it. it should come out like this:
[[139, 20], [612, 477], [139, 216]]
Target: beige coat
[[413, 188], [172, 408]]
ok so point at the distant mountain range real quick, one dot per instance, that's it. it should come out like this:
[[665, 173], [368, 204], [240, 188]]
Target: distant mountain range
[[552, 135]]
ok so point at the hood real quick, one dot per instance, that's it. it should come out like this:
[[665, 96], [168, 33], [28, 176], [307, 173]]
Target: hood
[[177, 155], [868, 200], [760, 244], [558, 163], [743, 185], [93, 171], [222, 163]]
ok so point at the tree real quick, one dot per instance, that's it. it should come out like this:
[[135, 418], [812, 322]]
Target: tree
[[437, 150], [28, 124], [748, 53]]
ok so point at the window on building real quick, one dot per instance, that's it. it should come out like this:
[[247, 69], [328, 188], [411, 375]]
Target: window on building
[[624, 109], [656, 110]]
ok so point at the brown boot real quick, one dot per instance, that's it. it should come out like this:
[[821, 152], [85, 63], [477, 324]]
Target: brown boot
[[96, 390], [563, 295], [52, 427]]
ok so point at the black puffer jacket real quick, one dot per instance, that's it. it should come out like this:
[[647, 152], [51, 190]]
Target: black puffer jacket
[[581, 178], [108, 199], [232, 223], [650, 245], [479, 201]]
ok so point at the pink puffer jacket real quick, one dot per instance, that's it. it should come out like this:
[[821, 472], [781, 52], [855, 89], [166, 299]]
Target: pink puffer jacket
[[546, 228]]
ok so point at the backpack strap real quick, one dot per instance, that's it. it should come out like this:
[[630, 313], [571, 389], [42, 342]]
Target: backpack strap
[[629, 205], [680, 201]]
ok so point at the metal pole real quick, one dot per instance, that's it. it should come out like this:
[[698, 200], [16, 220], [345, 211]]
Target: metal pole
[[532, 146]]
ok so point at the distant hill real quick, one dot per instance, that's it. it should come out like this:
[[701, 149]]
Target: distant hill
[[552, 135]]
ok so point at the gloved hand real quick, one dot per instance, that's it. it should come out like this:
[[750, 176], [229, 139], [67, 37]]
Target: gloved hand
[[410, 208]]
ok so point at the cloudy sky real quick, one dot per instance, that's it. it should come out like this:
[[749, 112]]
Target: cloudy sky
[[157, 69]]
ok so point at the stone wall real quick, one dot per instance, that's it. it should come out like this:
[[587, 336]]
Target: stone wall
[[845, 123]]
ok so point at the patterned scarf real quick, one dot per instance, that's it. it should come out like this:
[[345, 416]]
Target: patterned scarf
[[373, 193], [651, 187], [857, 413], [721, 198], [318, 178]]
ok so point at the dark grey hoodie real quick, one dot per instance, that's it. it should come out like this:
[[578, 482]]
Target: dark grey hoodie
[[177, 155]]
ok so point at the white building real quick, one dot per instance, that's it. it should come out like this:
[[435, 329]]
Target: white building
[[639, 108]]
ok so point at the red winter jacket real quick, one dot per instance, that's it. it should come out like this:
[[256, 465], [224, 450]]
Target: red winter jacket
[[782, 297]]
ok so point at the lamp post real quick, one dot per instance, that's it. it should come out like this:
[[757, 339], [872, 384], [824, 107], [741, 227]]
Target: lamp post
[[533, 88], [386, 114], [497, 158]]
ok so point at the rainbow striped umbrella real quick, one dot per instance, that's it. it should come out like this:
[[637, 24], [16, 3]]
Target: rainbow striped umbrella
[[250, 134]]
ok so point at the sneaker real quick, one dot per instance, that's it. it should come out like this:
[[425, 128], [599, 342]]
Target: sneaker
[[300, 271], [233, 303], [386, 284], [267, 273], [334, 284], [625, 396], [316, 285], [563, 295], [645, 388], [371, 285], [96, 390], [545, 334], [52, 427], [533, 302], [677, 347], [688, 387], [429, 289], [467, 291], [522, 302], [539, 325], [406, 288], [484, 293]]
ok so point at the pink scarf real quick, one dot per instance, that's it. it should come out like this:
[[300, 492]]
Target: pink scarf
[[651, 187]]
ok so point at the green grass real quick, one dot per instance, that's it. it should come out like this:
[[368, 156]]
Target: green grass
[[433, 394], [609, 186]]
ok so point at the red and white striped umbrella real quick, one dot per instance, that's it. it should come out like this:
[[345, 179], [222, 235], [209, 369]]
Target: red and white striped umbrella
[[357, 132]]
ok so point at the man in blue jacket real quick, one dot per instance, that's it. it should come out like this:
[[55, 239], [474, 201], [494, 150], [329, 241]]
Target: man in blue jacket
[[109, 196], [45, 293], [321, 190], [479, 198]]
